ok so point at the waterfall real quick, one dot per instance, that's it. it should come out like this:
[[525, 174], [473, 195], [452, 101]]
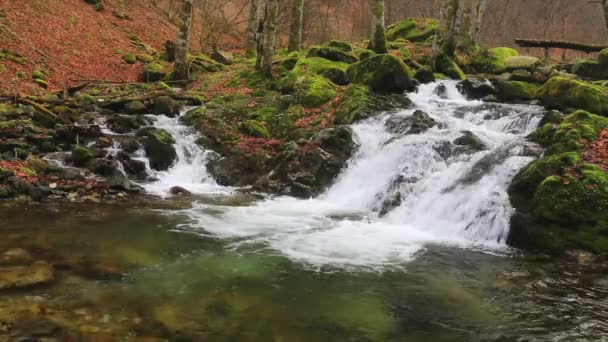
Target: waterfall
[[444, 198]]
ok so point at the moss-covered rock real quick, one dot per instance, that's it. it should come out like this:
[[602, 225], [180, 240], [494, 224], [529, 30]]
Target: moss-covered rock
[[314, 91], [135, 107], [334, 71], [603, 57], [155, 72], [448, 67], [130, 58], [564, 93], [382, 73], [359, 102], [521, 62], [591, 69], [342, 45], [332, 53], [413, 30], [81, 155], [158, 145], [561, 200], [254, 128], [516, 90], [496, 59]]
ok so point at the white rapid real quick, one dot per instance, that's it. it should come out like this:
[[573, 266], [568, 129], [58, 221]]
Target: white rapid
[[445, 197], [190, 171]]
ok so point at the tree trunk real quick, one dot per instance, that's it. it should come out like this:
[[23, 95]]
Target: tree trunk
[[252, 27], [450, 29], [183, 39], [477, 12], [270, 36], [605, 5], [295, 32], [378, 40]]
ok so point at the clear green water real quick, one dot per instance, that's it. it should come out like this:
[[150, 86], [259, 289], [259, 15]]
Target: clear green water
[[123, 274]]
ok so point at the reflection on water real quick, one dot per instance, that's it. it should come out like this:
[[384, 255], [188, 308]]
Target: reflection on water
[[124, 274]]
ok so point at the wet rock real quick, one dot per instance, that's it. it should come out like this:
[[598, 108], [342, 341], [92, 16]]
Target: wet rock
[[134, 168], [425, 75], [135, 107], [476, 87], [130, 146], [444, 149], [416, 123], [166, 105], [18, 277], [470, 142], [226, 172], [441, 91], [158, 145], [179, 191], [103, 142], [40, 193], [124, 123], [81, 155]]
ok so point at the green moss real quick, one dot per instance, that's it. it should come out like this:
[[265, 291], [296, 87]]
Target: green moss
[[130, 58], [44, 84], [447, 66], [342, 45], [603, 57], [564, 93], [38, 75], [413, 30], [15, 123], [516, 90], [163, 136], [591, 69], [81, 155], [313, 91], [359, 102], [145, 58], [571, 134], [382, 73], [332, 53], [254, 129], [496, 58]]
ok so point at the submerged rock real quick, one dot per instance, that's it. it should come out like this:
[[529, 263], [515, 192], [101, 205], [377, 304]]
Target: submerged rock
[[179, 191], [470, 142], [17, 277], [476, 87]]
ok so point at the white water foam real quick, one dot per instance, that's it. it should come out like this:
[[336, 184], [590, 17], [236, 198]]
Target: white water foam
[[190, 170], [459, 200]]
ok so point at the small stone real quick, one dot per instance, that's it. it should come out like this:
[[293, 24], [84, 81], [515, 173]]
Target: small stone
[[53, 185]]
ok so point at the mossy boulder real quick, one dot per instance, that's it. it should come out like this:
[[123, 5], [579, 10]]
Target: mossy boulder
[[166, 105], [448, 67], [332, 53], [521, 62], [496, 59], [382, 73], [155, 72], [81, 155], [135, 107], [359, 102], [130, 58], [603, 57], [158, 145], [516, 90], [254, 128], [564, 93], [591, 69], [342, 45], [334, 71], [413, 30], [561, 200], [313, 91], [425, 75]]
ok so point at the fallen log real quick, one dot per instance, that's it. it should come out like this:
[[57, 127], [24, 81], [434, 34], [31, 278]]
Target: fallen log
[[559, 44]]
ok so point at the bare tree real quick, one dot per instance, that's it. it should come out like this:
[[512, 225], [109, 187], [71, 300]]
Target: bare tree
[[477, 12], [252, 27], [183, 39], [266, 37], [378, 40], [295, 32]]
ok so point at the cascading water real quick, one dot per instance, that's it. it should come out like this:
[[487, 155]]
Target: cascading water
[[190, 170], [444, 197]]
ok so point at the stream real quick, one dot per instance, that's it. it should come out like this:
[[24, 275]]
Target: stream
[[409, 244]]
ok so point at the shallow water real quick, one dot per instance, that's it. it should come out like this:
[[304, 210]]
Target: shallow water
[[124, 273]]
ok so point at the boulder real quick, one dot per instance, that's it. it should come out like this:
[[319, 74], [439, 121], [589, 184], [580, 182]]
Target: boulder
[[382, 73], [521, 62], [589, 69], [516, 90], [135, 107], [359, 102], [476, 87], [81, 155], [418, 122], [332, 53], [470, 142], [166, 105], [425, 75], [134, 168], [564, 93], [314, 91], [338, 44], [158, 145], [603, 57], [496, 61], [179, 191], [155, 72]]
